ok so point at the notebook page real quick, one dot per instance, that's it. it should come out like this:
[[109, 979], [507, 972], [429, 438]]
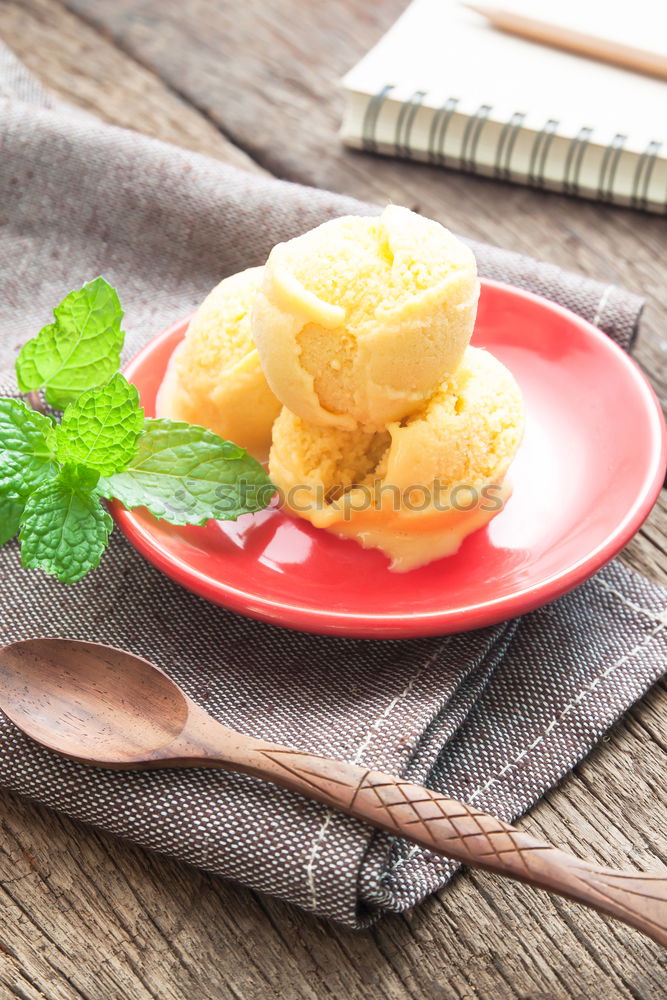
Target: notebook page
[[440, 47]]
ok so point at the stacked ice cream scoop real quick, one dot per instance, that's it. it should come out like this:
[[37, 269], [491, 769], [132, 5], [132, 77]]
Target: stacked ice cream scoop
[[347, 356]]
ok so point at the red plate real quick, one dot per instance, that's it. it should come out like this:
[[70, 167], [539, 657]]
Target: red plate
[[586, 477]]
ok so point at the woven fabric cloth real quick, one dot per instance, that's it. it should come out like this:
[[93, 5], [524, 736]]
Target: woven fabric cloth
[[494, 717]]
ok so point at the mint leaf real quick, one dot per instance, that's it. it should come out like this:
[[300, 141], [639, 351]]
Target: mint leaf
[[10, 515], [79, 477], [77, 352], [64, 528], [101, 429], [188, 475], [27, 449]]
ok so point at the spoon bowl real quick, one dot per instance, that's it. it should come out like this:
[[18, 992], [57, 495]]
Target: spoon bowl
[[88, 701]]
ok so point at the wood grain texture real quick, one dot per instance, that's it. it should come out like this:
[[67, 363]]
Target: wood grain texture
[[85, 916], [73, 61]]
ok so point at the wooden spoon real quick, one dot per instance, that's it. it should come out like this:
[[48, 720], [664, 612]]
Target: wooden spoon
[[102, 706]]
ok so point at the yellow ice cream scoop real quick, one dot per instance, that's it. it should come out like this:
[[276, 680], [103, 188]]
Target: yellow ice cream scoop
[[215, 378], [416, 489], [359, 320]]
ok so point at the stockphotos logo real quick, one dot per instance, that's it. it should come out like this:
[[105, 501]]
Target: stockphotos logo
[[305, 498]]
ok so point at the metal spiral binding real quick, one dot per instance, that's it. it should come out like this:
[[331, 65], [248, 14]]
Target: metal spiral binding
[[438, 130], [642, 177], [509, 133], [371, 115], [608, 167], [505, 148], [471, 135], [404, 123], [574, 160], [540, 152]]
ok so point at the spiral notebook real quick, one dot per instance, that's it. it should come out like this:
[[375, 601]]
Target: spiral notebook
[[445, 87]]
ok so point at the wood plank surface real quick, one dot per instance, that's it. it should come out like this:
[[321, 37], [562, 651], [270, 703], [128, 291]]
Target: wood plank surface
[[85, 916]]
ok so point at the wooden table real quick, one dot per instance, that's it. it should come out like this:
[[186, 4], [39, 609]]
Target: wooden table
[[83, 916]]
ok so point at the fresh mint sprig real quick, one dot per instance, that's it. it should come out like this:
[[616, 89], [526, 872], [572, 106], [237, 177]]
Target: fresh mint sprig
[[54, 477]]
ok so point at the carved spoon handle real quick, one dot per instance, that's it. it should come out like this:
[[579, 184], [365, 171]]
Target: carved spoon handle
[[460, 831]]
